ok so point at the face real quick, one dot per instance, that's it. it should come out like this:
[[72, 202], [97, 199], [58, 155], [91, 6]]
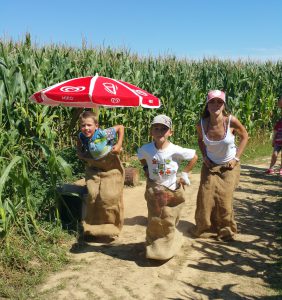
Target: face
[[88, 127], [216, 106], [160, 132]]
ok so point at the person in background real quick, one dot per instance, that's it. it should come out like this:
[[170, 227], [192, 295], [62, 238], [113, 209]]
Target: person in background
[[220, 171], [276, 143], [164, 193]]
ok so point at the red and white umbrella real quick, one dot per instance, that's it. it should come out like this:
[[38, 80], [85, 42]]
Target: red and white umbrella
[[93, 91]]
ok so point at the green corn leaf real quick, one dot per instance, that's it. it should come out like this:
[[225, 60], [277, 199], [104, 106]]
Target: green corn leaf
[[6, 172], [65, 166]]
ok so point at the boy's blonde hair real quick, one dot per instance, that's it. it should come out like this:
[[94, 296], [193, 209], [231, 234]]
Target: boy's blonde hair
[[88, 114]]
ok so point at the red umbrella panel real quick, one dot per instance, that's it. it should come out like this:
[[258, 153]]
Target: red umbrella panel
[[93, 91]]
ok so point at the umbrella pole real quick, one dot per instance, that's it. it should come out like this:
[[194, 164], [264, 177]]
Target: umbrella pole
[[96, 111], [74, 118]]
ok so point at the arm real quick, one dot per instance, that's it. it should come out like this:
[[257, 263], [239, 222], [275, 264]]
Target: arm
[[202, 146], [120, 132], [145, 167], [241, 131], [184, 179], [191, 164]]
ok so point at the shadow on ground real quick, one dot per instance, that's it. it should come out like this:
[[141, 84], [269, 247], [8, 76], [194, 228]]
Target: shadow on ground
[[258, 208], [137, 220], [258, 215], [131, 252]]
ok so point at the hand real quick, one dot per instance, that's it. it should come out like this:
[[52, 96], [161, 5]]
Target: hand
[[184, 179], [116, 149], [232, 163]]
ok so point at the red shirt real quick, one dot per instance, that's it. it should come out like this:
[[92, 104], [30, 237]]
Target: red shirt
[[278, 136]]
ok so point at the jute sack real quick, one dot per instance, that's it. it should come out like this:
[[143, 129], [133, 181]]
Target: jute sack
[[104, 211], [163, 240], [214, 210]]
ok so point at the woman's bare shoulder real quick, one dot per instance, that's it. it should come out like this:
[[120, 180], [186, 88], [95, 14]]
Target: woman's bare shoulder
[[234, 120]]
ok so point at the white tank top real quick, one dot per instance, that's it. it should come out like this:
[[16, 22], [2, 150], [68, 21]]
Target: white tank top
[[222, 151]]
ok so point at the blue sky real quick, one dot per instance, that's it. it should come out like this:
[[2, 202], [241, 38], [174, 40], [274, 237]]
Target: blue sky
[[193, 29]]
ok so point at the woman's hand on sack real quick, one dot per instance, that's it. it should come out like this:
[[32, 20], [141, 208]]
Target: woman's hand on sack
[[231, 164]]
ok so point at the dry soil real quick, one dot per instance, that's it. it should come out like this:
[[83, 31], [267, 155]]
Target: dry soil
[[203, 269]]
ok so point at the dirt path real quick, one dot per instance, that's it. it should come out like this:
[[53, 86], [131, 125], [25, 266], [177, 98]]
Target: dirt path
[[203, 269]]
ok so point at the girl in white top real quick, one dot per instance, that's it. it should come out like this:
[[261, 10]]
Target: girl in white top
[[223, 150], [221, 168], [216, 133]]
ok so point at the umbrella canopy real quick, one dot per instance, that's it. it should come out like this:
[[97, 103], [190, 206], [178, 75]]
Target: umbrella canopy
[[93, 91]]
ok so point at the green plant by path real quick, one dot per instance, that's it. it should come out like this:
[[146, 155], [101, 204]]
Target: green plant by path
[[24, 264]]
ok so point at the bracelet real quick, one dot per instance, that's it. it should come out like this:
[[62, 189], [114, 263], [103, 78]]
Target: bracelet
[[236, 158]]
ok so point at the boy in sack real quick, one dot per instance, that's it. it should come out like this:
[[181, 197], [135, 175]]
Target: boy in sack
[[164, 193], [104, 176]]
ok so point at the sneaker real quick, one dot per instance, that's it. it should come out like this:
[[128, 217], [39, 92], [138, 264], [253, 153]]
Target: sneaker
[[269, 171]]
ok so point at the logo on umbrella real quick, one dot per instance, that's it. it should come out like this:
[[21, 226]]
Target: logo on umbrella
[[72, 89], [115, 100], [110, 88]]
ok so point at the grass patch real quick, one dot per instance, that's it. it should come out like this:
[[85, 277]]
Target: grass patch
[[259, 147], [24, 263]]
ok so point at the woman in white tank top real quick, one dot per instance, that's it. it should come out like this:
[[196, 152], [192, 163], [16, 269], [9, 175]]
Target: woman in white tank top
[[221, 168]]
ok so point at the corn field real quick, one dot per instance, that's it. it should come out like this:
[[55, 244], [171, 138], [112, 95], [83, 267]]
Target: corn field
[[34, 139]]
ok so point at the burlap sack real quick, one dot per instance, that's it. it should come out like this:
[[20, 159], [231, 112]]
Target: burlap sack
[[104, 211], [214, 212], [163, 240]]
